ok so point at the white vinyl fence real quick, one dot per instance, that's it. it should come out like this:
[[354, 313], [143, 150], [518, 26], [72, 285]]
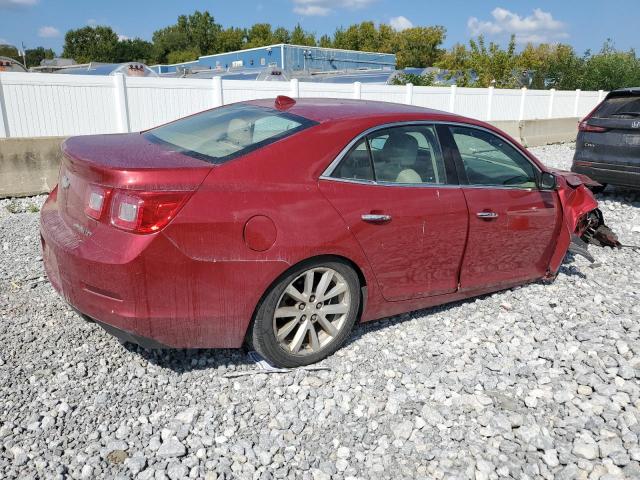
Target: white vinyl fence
[[40, 105]]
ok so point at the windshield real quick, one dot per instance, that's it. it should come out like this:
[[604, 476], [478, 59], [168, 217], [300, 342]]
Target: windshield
[[224, 133]]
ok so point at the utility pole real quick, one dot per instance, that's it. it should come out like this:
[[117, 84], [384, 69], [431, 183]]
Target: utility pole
[[24, 55]]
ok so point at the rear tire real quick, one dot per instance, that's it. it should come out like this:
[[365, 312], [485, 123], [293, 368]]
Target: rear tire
[[308, 314]]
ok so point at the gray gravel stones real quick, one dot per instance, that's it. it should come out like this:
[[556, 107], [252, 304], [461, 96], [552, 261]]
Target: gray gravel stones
[[535, 382]]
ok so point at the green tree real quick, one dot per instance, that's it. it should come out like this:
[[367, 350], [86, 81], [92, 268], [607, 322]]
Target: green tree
[[551, 66], [259, 35], [325, 41], [363, 36], [281, 35], [180, 56], [231, 39], [481, 65], [300, 37], [419, 46], [610, 69], [417, 80], [456, 62], [197, 32], [136, 50], [91, 44], [10, 51]]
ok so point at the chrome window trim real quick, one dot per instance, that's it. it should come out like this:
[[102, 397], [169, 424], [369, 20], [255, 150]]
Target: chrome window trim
[[326, 174]]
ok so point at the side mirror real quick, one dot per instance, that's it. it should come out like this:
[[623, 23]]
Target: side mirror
[[547, 181]]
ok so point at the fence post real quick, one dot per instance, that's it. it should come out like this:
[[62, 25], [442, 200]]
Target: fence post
[[489, 102], [552, 94], [600, 95], [523, 97], [409, 94], [357, 90], [122, 110], [575, 105], [295, 88], [4, 120], [218, 98], [452, 99]]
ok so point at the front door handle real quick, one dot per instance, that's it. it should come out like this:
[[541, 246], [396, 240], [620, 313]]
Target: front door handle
[[487, 215], [375, 218]]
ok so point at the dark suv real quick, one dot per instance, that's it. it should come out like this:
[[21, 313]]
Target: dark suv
[[608, 144]]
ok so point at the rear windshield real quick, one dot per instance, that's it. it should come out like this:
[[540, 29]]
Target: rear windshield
[[619, 107], [221, 134]]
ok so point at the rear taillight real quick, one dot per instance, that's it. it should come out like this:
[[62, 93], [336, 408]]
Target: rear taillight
[[583, 126], [95, 201], [145, 212]]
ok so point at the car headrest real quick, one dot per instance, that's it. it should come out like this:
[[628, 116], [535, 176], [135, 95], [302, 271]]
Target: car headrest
[[239, 132], [400, 148]]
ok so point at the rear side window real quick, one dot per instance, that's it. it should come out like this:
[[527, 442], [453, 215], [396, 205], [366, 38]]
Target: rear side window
[[221, 134], [406, 155], [402, 155], [619, 107], [356, 165]]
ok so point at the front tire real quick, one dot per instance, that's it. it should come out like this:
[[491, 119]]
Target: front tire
[[308, 314]]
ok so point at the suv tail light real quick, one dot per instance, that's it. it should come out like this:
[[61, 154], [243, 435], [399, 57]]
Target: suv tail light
[[145, 212], [583, 126], [95, 201]]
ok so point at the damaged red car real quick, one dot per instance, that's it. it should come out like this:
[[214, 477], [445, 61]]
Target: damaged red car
[[282, 224]]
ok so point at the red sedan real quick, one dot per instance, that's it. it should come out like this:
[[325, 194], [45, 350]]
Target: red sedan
[[281, 224]]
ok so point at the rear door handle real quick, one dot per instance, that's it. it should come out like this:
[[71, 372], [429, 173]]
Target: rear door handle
[[487, 215], [375, 218]]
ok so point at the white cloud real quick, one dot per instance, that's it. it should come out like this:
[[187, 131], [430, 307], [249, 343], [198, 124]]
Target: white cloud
[[48, 32], [325, 7], [122, 38], [17, 3], [538, 27], [400, 23]]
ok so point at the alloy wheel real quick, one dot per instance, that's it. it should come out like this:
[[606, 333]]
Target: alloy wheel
[[312, 311]]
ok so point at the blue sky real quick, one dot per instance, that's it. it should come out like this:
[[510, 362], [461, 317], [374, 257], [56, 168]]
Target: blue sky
[[584, 24]]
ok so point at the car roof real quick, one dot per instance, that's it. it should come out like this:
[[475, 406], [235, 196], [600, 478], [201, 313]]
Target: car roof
[[332, 109], [628, 90]]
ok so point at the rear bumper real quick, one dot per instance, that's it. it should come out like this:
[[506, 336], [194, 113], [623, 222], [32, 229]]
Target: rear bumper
[[613, 175], [146, 290]]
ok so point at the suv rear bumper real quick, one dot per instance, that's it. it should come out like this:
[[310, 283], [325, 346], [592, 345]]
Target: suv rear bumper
[[609, 174]]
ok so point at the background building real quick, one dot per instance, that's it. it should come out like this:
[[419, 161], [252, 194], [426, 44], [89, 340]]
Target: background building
[[289, 58]]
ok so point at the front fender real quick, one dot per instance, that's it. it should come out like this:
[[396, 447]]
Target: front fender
[[576, 200]]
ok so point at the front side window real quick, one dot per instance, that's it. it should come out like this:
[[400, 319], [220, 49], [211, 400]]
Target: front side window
[[221, 134], [402, 155], [489, 160]]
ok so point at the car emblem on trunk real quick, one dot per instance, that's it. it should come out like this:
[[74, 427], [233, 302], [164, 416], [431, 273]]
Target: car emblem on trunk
[[65, 182], [635, 124]]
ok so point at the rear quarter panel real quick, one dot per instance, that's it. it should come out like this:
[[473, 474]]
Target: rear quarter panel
[[225, 279]]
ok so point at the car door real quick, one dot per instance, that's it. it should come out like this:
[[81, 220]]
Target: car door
[[391, 190], [512, 223]]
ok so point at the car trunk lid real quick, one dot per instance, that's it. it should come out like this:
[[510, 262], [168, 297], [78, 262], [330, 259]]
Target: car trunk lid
[[124, 162]]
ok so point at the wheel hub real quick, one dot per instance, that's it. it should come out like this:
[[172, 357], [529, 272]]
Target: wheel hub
[[312, 311]]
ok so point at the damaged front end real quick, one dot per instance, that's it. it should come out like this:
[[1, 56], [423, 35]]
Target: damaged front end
[[583, 223], [592, 231]]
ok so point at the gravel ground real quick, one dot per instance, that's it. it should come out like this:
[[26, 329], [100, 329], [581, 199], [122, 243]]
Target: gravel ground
[[536, 382]]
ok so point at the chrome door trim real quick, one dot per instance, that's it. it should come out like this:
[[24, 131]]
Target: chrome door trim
[[326, 174]]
